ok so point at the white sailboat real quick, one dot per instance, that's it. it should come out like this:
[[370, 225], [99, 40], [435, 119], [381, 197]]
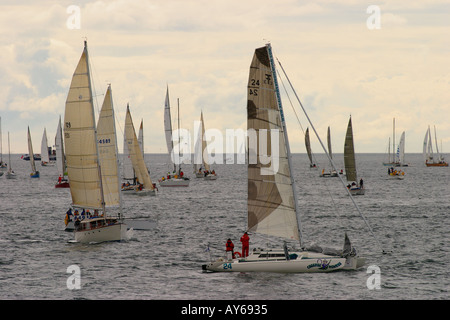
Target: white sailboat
[[175, 178], [3, 165], [398, 158], [203, 170], [84, 163], [356, 187], [34, 173], [61, 168], [144, 185], [428, 153], [331, 173], [272, 198], [10, 174], [45, 156]]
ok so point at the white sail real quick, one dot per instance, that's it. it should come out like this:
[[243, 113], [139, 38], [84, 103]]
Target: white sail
[[349, 154], [205, 155], [44, 148], [81, 141], [401, 150], [137, 158], [108, 155], [308, 147], [168, 128], [141, 137], [59, 146], [271, 199]]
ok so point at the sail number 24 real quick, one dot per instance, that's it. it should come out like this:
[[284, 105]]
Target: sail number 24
[[227, 266]]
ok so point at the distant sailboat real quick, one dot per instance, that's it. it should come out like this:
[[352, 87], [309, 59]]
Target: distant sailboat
[[60, 159], [10, 174], [201, 149], [34, 173], [83, 164], [175, 178], [355, 186], [331, 173], [3, 165], [308, 149], [272, 205], [428, 151], [144, 185], [398, 158], [45, 156]]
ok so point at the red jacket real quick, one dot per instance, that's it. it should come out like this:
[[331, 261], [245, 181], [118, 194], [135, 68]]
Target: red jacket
[[230, 245], [245, 239]]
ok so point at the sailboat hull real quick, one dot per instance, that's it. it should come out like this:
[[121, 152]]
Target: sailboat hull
[[211, 177], [445, 164], [35, 174], [62, 185], [115, 232], [174, 183], [302, 262]]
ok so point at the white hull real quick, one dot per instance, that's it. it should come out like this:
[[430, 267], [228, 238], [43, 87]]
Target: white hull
[[357, 191], [136, 224], [143, 192], [174, 183], [300, 262], [115, 232], [199, 175], [10, 175]]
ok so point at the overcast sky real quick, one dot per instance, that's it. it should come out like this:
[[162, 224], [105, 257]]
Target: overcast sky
[[337, 61]]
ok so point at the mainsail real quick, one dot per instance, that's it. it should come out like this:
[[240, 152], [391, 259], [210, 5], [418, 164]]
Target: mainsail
[[30, 152], [59, 146], [168, 129], [329, 143], [107, 149], [44, 148], [137, 158], [349, 154], [271, 198], [308, 146], [81, 141]]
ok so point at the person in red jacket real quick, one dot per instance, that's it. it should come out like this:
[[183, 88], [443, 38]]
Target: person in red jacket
[[245, 239], [230, 248]]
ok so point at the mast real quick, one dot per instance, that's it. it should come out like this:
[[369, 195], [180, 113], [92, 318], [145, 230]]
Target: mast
[[393, 140], [179, 137], [288, 149]]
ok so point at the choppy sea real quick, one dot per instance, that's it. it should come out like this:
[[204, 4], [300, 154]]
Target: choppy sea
[[409, 219]]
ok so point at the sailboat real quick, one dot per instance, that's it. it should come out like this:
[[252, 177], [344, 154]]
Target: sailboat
[[3, 165], [331, 173], [45, 156], [428, 151], [63, 182], [355, 187], [34, 173], [175, 178], [201, 149], [398, 158], [10, 174], [308, 149], [272, 203], [90, 185], [144, 185]]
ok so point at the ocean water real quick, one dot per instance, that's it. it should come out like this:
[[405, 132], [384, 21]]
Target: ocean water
[[409, 220]]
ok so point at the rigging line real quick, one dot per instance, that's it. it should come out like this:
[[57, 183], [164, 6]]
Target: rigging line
[[298, 119], [331, 160]]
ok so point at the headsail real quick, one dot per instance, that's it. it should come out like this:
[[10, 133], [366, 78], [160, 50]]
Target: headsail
[[107, 149], [168, 128], [271, 201], [59, 146], [30, 152], [44, 148], [81, 141]]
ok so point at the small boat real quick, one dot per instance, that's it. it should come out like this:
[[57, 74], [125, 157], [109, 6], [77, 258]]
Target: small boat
[[331, 173], [3, 165], [45, 151], [10, 174], [428, 153], [272, 205], [34, 173], [355, 187], [176, 178], [398, 159], [144, 185], [61, 167], [94, 185], [308, 150], [396, 174], [201, 161]]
